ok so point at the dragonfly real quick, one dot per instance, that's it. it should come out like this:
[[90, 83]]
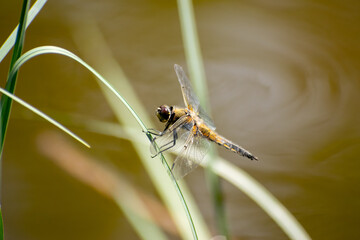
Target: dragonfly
[[188, 131]]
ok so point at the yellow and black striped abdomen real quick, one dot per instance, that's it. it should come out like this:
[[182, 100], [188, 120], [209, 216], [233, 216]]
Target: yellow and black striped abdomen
[[216, 138]]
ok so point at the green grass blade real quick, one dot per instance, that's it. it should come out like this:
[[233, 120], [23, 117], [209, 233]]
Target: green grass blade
[[57, 50], [197, 75], [43, 115], [10, 41]]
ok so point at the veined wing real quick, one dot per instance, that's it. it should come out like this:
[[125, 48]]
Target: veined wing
[[207, 119], [190, 98], [184, 120], [190, 156]]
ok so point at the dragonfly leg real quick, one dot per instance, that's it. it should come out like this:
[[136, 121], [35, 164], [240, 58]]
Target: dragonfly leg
[[168, 145], [155, 132]]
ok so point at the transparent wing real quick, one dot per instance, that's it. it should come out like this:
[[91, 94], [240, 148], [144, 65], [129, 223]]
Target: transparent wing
[[207, 119], [185, 121], [191, 100], [190, 156]]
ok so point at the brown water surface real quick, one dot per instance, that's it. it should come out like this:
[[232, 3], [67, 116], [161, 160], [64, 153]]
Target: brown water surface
[[283, 80]]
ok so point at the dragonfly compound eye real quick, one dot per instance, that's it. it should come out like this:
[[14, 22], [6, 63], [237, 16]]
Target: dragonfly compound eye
[[163, 113]]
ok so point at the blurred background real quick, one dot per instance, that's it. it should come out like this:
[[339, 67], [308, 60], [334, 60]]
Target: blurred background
[[283, 80]]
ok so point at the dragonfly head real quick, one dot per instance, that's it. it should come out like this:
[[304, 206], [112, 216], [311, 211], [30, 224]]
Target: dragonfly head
[[163, 113]]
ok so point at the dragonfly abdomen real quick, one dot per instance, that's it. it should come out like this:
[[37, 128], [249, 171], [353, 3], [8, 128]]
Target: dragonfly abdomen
[[213, 136]]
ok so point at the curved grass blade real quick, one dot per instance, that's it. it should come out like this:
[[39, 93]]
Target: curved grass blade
[[239, 178], [43, 115], [57, 50]]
